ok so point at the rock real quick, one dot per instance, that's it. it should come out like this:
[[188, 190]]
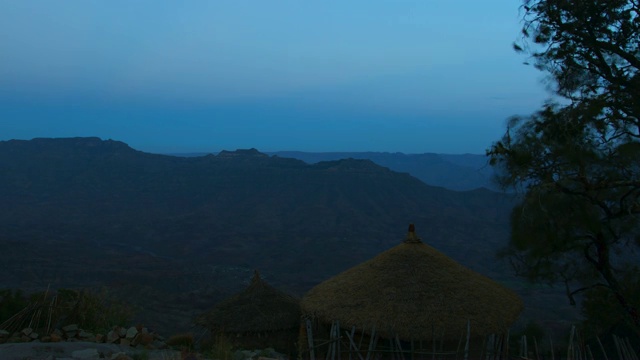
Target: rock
[[34, 335], [120, 356], [99, 338], [25, 338], [57, 332], [189, 356], [69, 328], [145, 339], [27, 331], [86, 354], [55, 337], [270, 353], [113, 336], [134, 342], [45, 339], [85, 334], [122, 331], [144, 330], [247, 354], [131, 333], [4, 333], [159, 344], [125, 342]]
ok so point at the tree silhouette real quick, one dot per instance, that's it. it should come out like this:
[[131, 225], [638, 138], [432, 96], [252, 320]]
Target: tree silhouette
[[576, 161]]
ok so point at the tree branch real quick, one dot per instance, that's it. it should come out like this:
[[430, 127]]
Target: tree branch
[[585, 288]]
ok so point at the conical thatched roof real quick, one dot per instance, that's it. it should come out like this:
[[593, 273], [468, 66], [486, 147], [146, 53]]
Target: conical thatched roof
[[258, 308], [414, 291]]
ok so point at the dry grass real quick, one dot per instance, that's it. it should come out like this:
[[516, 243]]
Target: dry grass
[[414, 291], [181, 341]]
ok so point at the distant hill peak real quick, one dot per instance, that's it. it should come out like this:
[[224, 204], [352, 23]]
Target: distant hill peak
[[76, 143], [350, 164], [241, 153], [454, 172], [85, 141]]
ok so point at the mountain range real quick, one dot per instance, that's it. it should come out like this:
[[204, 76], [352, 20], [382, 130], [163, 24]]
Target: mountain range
[[190, 230], [451, 171], [459, 172]]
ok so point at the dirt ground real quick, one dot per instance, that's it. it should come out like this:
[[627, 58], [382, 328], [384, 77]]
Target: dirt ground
[[79, 350]]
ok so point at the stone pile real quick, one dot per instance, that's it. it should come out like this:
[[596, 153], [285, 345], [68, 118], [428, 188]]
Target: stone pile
[[134, 336], [259, 354]]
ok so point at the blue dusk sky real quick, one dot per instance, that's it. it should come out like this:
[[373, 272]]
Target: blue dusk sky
[[199, 76]]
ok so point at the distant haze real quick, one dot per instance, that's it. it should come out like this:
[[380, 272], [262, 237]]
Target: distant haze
[[198, 76]]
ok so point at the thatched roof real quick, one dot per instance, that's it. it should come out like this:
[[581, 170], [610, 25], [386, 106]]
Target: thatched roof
[[413, 290], [258, 308]]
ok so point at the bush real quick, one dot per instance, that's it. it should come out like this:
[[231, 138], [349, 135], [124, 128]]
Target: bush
[[181, 341], [11, 302], [532, 331], [222, 348], [95, 311]]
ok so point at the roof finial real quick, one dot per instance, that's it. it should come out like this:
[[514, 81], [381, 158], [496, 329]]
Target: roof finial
[[412, 237], [256, 276]]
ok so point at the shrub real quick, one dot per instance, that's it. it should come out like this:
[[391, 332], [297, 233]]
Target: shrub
[[181, 341], [92, 310], [11, 302], [222, 348]]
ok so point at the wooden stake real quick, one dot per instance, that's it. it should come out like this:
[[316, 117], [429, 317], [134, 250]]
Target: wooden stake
[[353, 345], [570, 352], [588, 355], [371, 343], [312, 353], [466, 346], [400, 350], [601, 348], [338, 338], [507, 343], [632, 352], [330, 353], [353, 332], [433, 343]]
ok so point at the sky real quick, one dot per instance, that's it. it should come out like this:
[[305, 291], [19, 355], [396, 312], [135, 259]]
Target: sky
[[204, 76]]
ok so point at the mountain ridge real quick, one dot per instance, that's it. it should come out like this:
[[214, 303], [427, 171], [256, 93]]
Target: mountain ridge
[[460, 172], [455, 172], [86, 181]]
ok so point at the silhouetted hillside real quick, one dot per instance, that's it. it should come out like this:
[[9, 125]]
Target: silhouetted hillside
[[94, 190], [451, 171], [454, 172]]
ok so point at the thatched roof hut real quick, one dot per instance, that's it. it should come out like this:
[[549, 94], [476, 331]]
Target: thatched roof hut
[[414, 291], [258, 308]]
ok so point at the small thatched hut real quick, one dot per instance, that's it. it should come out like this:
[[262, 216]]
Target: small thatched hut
[[256, 318], [414, 292]]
